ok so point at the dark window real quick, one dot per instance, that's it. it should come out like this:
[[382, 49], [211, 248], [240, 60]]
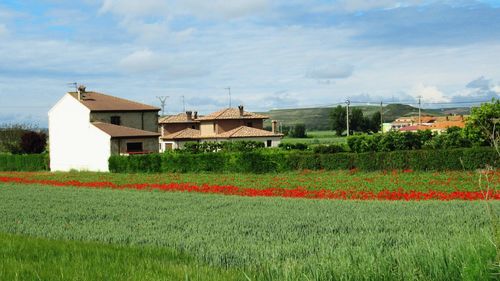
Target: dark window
[[215, 126], [249, 124], [269, 143], [193, 127], [115, 120], [134, 147]]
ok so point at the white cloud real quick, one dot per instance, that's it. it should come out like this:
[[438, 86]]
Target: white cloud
[[141, 61], [429, 94], [226, 9], [331, 71], [134, 8]]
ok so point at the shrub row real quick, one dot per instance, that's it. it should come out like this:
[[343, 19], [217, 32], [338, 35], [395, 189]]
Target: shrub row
[[25, 162], [279, 161]]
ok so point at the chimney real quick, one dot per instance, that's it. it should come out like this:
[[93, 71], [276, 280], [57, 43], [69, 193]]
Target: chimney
[[81, 92], [189, 115], [240, 107], [196, 115], [274, 125]]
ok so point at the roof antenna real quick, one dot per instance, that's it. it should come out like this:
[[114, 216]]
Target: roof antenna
[[73, 84]]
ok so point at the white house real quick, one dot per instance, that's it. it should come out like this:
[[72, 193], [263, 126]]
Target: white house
[[86, 128]]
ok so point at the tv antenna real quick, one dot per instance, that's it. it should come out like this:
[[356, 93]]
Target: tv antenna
[[229, 90], [162, 99], [73, 84], [183, 104]]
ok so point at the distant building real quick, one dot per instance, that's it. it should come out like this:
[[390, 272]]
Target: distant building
[[86, 128], [229, 124], [432, 123]]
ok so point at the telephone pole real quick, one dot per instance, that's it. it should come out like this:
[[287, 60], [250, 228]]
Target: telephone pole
[[382, 117], [348, 102], [162, 99], [229, 90], [419, 110]]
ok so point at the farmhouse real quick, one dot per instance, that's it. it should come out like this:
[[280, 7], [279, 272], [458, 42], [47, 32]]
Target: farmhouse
[[229, 124], [86, 128], [432, 123]]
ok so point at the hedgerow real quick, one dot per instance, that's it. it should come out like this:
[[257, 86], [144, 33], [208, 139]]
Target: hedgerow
[[264, 161], [24, 162]]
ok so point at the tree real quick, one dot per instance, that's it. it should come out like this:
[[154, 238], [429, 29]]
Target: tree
[[299, 131], [10, 136], [357, 120], [337, 117], [481, 127], [33, 142]]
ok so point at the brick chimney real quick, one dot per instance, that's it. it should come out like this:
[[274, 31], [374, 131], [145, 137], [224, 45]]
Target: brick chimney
[[274, 126], [196, 115], [81, 92], [240, 107], [189, 115]]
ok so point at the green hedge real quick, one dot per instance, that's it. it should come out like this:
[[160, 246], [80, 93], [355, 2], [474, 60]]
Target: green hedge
[[24, 162], [278, 161]]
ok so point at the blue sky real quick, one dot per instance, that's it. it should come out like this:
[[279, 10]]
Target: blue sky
[[273, 54]]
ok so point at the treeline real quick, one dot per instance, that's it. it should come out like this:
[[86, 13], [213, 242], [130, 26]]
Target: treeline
[[271, 161], [22, 139]]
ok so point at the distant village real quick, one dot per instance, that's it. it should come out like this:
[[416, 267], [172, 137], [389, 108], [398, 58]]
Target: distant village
[[87, 127]]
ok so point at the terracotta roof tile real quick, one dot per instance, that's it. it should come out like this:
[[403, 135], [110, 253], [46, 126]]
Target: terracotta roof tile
[[179, 118], [101, 102], [116, 131], [244, 132], [232, 113], [187, 133]]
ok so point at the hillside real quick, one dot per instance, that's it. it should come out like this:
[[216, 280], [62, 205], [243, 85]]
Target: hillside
[[318, 118]]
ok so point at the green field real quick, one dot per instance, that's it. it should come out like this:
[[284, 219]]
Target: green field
[[317, 137], [181, 236]]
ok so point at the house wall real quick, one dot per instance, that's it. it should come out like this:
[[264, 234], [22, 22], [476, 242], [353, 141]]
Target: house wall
[[227, 125], [275, 141], [119, 146], [221, 126], [74, 142], [143, 120], [170, 128]]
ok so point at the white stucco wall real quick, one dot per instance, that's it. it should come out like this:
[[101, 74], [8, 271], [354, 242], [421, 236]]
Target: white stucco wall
[[74, 142]]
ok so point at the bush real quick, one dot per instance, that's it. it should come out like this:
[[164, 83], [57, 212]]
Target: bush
[[31, 162], [262, 161], [33, 142], [293, 146], [332, 148]]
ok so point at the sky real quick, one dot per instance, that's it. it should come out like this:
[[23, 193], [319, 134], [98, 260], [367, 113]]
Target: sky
[[272, 54]]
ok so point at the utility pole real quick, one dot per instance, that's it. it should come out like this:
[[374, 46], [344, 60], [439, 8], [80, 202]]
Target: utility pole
[[419, 110], [348, 102], [229, 90], [382, 117], [162, 99]]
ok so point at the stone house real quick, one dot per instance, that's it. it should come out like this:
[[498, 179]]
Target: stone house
[[229, 124]]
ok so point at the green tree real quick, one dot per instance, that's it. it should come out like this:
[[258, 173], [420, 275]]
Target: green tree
[[481, 128], [299, 131], [338, 120]]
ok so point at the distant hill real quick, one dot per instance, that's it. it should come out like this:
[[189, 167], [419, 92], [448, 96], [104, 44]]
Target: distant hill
[[319, 118]]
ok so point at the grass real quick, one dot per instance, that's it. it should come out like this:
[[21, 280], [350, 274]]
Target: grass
[[317, 137], [267, 238], [312, 180], [28, 258]]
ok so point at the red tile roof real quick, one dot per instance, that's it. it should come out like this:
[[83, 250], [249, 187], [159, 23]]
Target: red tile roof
[[187, 133], [116, 131], [101, 102], [247, 132], [232, 113], [179, 118]]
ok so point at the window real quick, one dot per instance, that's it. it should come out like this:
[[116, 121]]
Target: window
[[249, 124], [215, 127], [134, 147], [269, 143], [115, 120], [193, 127]]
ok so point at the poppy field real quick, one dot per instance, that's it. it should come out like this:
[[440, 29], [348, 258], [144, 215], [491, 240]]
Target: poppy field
[[101, 226]]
